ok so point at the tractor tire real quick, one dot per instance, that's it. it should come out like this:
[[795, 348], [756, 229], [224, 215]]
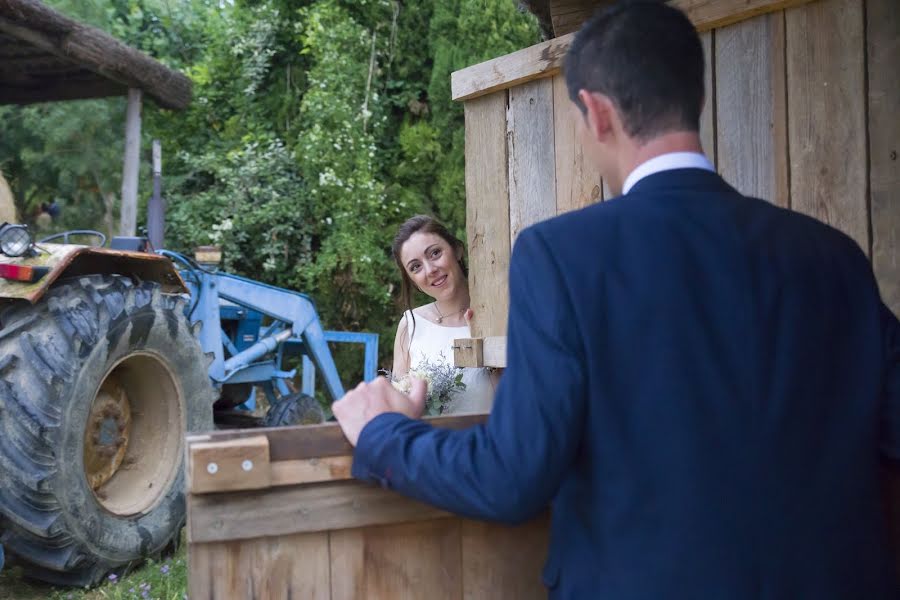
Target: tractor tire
[[295, 409], [98, 383]]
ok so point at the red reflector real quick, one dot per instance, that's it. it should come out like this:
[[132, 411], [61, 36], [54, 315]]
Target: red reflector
[[22, 273]]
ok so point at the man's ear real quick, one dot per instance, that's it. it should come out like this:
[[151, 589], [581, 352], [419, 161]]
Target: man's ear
[[598, 114]]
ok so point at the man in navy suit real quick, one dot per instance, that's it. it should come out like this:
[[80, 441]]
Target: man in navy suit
[[702, 385]]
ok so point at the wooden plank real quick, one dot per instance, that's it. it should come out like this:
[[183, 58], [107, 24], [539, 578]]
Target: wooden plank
[[299, 509], [487, 570], [530, 140], [749, 126], [228, 465], [273, 568], [397, 562], [487, 214], [883, 37], [468, 352], [546, 59], [708, 116], [311, 470], [578, 182], [485, 352], [315, 441], [826, 101]]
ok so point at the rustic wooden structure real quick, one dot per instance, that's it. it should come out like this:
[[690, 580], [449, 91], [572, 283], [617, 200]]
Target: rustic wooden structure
[[46, 56], [801, 110], [273, 514]]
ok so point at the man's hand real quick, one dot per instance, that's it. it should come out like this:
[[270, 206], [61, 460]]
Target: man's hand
[[368, 400]]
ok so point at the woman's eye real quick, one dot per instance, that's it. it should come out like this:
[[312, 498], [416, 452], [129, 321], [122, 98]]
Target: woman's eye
[[414, 268], [435, 253]]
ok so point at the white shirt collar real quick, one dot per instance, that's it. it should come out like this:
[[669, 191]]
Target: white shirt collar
[[667, 162]]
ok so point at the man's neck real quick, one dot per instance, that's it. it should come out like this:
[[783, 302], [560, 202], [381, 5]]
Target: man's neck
[[637, 154]]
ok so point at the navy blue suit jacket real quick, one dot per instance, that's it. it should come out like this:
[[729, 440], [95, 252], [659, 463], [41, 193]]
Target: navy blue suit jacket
[[702, 386]]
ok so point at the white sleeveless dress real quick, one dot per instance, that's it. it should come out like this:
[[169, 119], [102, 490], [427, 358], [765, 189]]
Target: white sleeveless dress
[[432, 342]]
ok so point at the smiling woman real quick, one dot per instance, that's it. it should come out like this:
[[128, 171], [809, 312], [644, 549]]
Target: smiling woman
[[432, 260]]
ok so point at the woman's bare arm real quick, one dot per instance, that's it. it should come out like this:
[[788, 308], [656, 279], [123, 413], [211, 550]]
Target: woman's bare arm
[[401, 350]]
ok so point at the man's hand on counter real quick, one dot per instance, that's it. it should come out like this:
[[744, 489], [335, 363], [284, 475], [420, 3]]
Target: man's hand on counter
[[368, 400]]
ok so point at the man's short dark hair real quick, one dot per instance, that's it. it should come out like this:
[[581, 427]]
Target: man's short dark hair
[[646, 56]]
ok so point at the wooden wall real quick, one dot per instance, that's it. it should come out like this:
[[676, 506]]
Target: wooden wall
[[294, 525], [802, 110]]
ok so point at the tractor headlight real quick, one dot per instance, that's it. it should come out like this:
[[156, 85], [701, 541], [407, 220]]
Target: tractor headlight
[[14, 240]]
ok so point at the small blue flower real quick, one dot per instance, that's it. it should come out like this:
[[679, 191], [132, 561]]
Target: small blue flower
[[164, 569], [113, 577], [144, 594]]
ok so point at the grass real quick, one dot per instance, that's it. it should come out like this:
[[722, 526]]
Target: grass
[[157, 580]]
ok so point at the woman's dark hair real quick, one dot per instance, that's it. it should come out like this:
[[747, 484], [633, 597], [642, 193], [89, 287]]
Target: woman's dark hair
[[647, 57], [422, 224]]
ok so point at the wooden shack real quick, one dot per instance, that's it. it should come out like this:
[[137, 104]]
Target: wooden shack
[[801, 110]]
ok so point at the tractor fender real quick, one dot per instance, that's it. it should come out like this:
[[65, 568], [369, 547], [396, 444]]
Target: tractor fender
[[70, 260]]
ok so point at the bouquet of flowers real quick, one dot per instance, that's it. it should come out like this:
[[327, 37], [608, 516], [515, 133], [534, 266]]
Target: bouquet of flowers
[[442, 378]]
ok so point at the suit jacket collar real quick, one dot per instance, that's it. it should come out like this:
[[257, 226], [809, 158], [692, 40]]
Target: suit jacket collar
[[681, 179]]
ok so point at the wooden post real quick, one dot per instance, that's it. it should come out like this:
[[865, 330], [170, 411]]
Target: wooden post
[[156, 208], [128, 219]]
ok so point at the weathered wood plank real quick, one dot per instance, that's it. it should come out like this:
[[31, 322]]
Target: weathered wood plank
[[274, 568], [545, 59], [826, 102], [488, 571], [397, 562], [578, 182], [530, 141], [708, 116], [883, 37], [487, 213], [299, 509], [750, 128]]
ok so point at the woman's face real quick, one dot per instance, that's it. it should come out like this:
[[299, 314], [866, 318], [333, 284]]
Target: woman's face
[[432, 264]]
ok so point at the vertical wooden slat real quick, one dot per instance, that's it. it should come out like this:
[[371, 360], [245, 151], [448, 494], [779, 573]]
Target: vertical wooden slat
[[397, 562], [487, 570], [707, 117], [487, 213], [749, 71], [883, 40], [577, 181], [289, 566], [826, 105], [532, 181]]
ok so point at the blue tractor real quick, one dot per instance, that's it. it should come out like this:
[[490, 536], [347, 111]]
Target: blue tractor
[[107, 357]]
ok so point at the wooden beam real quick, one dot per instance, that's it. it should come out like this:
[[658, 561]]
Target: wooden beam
[[316, 441], [131, 164], [546, 59], [480, 352], [229, 465]]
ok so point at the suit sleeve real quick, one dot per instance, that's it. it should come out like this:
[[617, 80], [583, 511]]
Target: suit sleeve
[[890, 436], [512, 466]]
